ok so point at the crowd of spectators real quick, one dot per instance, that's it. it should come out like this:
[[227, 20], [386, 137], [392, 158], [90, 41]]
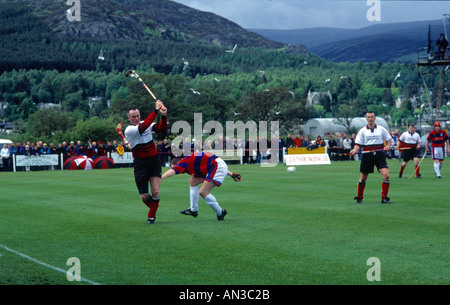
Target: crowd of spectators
[[338, 146], [91, 150], [255, 150]]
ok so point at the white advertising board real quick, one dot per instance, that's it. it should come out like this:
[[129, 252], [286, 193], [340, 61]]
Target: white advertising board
[[307, 159], [126, 158], [42, 160]]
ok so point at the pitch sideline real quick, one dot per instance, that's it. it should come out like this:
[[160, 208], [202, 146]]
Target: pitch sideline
[[44, 264]]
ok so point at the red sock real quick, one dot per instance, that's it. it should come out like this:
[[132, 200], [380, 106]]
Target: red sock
[[154, 205], [401, 169], [361, 187], [147, 201], [417, 170], [384, 188]]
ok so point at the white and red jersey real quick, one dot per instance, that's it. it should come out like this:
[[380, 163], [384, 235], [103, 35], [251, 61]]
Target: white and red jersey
[[410, 140], [140, 136], [372, 138]]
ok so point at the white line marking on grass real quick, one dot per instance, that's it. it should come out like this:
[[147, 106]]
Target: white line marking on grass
[[44, 264]]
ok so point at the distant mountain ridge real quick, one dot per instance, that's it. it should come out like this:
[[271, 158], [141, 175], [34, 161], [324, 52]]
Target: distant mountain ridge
[[379, 42]]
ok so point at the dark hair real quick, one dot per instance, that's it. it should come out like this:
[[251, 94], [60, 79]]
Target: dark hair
[[175, 160], [128, 112]]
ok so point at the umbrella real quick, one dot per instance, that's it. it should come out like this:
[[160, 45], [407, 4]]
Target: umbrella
[[84, 162], [70, 164], [103, 163]]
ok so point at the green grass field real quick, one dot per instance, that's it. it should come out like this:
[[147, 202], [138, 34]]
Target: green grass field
[[282, 228]]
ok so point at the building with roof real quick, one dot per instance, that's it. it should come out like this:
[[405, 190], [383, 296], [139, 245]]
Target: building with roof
[[323, 126]]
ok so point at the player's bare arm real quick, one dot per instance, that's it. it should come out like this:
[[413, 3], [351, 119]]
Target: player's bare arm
[[354, 150], [168, 174], [388, 145]]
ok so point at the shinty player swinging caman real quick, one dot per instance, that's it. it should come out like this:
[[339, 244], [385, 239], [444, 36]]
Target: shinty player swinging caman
[[147, 167], [375, 141]]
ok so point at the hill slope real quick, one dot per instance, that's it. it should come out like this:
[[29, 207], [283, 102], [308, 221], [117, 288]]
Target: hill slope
[[157, 33], [145, 20]]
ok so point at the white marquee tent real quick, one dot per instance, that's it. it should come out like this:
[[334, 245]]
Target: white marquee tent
[[319, 126], [5, 141]]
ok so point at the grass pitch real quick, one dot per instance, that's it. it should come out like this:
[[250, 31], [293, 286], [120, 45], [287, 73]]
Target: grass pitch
[[281, 229]]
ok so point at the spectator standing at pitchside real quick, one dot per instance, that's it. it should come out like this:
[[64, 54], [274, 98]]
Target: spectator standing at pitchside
[[71, 150], [332, 150], [12, 151], [289, 141], [5, 157], [347, 144], [298, 142]]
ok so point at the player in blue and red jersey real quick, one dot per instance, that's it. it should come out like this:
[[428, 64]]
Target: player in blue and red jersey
[[438, 139], [206, 169]]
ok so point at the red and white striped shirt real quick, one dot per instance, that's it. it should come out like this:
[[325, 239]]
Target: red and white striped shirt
[[140, 136], [409, 140]]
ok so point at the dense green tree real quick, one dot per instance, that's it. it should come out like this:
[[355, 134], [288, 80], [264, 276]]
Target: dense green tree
[[275, 104], [95, 129], [387, 97], [45, 122]]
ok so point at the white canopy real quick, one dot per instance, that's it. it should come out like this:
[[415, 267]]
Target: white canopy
[[5, 141]]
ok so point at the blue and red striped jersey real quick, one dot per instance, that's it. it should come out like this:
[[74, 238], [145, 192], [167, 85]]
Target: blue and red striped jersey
[[198, 164], [437, 138]]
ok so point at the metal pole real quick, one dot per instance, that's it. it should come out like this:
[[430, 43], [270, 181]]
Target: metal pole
[[441, 89]]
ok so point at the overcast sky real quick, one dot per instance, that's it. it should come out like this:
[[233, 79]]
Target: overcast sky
[[297, 14]]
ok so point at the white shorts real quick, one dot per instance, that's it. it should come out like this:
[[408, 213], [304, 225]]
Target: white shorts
[[218, 174], [437, 153]]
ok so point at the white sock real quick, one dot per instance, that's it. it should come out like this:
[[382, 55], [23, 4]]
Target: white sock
[[212, 202], [194, 198], [436, 169]]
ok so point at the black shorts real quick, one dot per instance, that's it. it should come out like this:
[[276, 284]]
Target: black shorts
[[143, 170], [410, 154], [369, 160]]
